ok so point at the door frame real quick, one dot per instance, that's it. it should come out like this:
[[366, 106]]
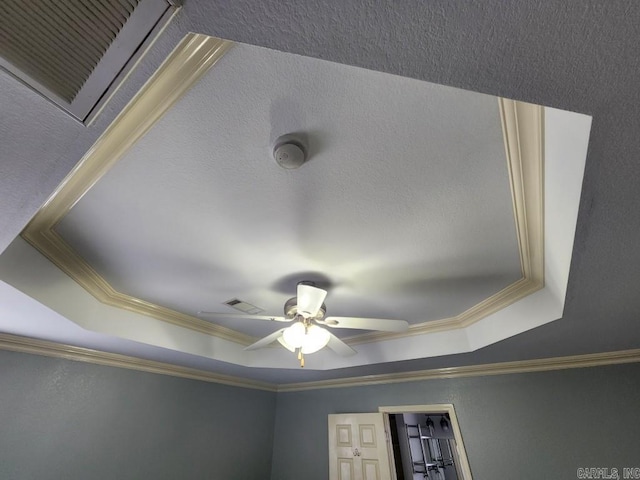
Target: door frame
[[441, 408]]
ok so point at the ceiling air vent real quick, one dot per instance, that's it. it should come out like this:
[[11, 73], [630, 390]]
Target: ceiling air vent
[[244, 307], [75, 52]]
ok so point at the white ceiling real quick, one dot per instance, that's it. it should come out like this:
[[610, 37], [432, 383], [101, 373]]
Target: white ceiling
[[197, 212], [404, 207], [478, 46]]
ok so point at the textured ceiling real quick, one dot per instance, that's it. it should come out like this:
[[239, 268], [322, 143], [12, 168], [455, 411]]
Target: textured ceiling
[[575, 56], [404, 208]]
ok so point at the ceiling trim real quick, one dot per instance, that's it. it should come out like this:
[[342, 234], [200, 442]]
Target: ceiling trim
[[523, 134], [504, 368], [46, 348], [33, 346], [523, 128], [191, 59]]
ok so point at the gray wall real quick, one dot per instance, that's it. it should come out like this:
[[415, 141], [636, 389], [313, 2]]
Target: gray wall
[[64, 419], [526, 426], [70, 420]]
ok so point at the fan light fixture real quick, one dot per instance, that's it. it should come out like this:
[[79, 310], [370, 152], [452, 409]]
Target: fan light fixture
[[309, 339], [304, 338], [306, 334]]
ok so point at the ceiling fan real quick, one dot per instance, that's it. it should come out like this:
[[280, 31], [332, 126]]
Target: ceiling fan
[[306, 335]]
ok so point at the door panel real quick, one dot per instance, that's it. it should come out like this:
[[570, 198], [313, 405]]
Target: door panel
[[370, 469], [343, 434], [367, 435], [358, 447], [345, 469]]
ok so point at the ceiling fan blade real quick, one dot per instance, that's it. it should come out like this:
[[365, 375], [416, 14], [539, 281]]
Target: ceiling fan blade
[[340, 347], [222, 316], [266, 341], [380, 324], [309, 299]]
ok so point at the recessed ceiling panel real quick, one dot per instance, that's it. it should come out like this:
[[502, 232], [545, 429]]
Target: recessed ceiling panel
[[403, 209]]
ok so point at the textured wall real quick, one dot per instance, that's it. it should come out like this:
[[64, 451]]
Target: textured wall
[[68, 420], [527, 426], [63, 419]]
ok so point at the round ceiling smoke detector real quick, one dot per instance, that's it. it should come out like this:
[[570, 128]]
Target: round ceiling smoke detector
[[289, 152]]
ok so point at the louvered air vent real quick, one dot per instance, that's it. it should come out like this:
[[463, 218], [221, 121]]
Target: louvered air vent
[[74, 51], [244, 307]]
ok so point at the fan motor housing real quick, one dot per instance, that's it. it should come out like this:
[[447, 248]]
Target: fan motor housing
[[291, 309]]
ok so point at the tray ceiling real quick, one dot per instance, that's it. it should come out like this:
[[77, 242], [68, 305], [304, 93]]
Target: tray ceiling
[[405, 209]]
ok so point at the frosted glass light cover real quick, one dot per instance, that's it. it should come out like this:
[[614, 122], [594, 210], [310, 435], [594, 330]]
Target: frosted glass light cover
[[294, 335], [282, 342], [315, 339]]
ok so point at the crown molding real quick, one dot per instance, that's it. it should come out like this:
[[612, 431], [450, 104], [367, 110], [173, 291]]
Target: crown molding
[[191, 59], [523, 129], [503, 368], [523, 134], [46, 348], [33, 346]]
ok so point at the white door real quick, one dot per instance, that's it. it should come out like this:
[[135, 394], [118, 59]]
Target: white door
[[358, 447]]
